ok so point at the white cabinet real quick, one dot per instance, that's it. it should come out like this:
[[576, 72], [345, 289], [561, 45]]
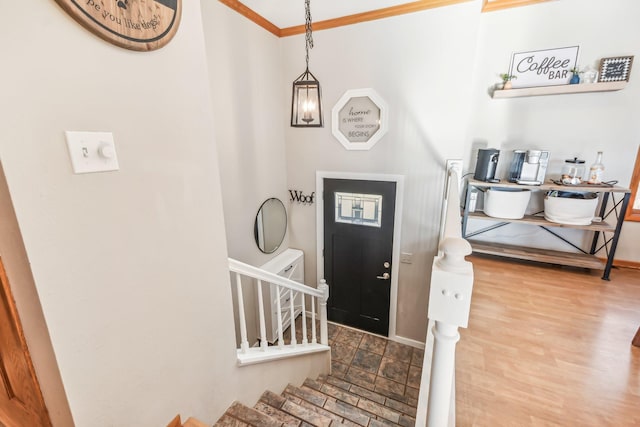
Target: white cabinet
[[289, 264]]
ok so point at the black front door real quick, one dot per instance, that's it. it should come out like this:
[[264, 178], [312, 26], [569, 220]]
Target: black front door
[[358, 245]]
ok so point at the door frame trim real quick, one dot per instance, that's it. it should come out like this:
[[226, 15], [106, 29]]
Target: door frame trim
[[397, 222]]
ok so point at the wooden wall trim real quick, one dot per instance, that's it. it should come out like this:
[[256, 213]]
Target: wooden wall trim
[[490, 6], [372, 15], [624, 264], [252, 16], [387, 12]]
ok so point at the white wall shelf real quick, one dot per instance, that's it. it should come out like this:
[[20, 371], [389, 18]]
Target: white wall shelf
[[558, 90]]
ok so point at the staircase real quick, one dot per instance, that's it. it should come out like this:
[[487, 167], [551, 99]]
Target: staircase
[[326, 401]]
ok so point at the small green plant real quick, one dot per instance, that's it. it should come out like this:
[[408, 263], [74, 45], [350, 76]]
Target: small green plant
[[506, 77], [576, 70]]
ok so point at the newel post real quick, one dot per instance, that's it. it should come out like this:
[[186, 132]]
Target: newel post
[[449, 305], [324, 333]]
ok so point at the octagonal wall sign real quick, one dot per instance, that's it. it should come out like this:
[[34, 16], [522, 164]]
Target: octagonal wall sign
[[141, 25], [359, 119]]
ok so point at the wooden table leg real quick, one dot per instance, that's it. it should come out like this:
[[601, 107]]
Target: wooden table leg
[[636, 339]]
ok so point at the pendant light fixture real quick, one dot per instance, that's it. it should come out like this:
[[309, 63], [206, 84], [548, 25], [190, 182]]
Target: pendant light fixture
[[306, 103]]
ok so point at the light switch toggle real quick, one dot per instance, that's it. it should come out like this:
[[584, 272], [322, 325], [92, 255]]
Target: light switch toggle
[[106, 151], [92, 151]]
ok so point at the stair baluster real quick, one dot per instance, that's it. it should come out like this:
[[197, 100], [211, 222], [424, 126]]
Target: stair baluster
[[313, 321], [279, 308], [244, 345], [283, 290], [324, 333], [292, 326], [263, 329], [304, 322]]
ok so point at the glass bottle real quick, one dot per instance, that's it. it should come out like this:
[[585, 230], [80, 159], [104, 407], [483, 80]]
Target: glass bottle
[[596, 171]]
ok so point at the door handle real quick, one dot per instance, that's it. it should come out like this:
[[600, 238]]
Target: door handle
[[384, 276]]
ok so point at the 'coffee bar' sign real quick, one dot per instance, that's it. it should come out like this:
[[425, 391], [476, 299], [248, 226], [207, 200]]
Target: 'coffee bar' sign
[[543, 67]]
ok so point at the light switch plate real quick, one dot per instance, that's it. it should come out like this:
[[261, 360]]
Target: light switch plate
[[406, 257], [92, 151]]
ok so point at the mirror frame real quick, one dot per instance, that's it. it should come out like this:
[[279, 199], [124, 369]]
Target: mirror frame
[[634, 214], [255, 225]]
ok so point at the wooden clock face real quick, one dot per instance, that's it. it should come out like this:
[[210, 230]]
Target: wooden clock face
[[133, 24]]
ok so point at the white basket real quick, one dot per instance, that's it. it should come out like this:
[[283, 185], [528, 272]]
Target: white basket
[[561, 207], [506, 203]]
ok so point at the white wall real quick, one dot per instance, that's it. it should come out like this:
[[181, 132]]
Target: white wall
[[566, 125], [434, 69], [419, 64], [129, 265], [245, 75], [24, 292], [246, 78]]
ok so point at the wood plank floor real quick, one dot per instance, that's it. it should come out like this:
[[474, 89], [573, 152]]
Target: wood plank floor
[[549, 346]]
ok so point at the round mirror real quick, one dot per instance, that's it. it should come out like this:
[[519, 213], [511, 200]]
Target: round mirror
[[270, 225]]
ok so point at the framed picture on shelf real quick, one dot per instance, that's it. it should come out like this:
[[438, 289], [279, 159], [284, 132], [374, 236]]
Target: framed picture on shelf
[[548, 67], [616, 69]]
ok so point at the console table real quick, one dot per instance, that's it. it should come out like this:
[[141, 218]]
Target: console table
[[612, 218]]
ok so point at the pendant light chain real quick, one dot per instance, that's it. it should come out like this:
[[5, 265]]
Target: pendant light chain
[[306, 101], [309, 35]]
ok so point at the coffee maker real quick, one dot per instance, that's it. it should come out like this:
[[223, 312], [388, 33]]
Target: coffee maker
[[528, 167], [486, 165]]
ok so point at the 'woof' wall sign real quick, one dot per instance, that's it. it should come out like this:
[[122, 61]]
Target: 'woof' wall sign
[[133, 24], [543, 67]]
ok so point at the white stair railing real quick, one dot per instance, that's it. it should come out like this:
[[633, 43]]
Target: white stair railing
[[449, 305], [297, 292]]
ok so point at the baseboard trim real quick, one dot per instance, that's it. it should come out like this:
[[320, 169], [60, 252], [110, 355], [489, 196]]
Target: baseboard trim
[[624, 264], [395, 338], [407, 341]]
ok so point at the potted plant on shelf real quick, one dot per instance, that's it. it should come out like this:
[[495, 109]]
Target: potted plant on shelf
[[506, 80], [575, 79]]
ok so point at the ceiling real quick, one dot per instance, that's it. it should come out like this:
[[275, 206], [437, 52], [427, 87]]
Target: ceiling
[[289, 13]]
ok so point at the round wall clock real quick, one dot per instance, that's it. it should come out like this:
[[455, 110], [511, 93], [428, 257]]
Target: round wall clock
[[133, 24]]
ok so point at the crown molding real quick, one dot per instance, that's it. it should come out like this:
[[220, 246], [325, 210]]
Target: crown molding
[[387, 12], [491, 5], [372, 15], [252, 16], [357, 18]]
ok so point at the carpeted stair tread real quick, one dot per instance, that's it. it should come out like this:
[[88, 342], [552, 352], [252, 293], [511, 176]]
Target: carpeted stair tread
[[305, 414], [314, 408], [277, 414], [383, 407], [227, 421], [272, 399], [359, 412], [324, 402], [308, 394], [250, 416], [377, 394]]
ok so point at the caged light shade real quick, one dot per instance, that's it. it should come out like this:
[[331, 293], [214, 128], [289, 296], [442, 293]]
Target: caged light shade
[[306, 103]]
